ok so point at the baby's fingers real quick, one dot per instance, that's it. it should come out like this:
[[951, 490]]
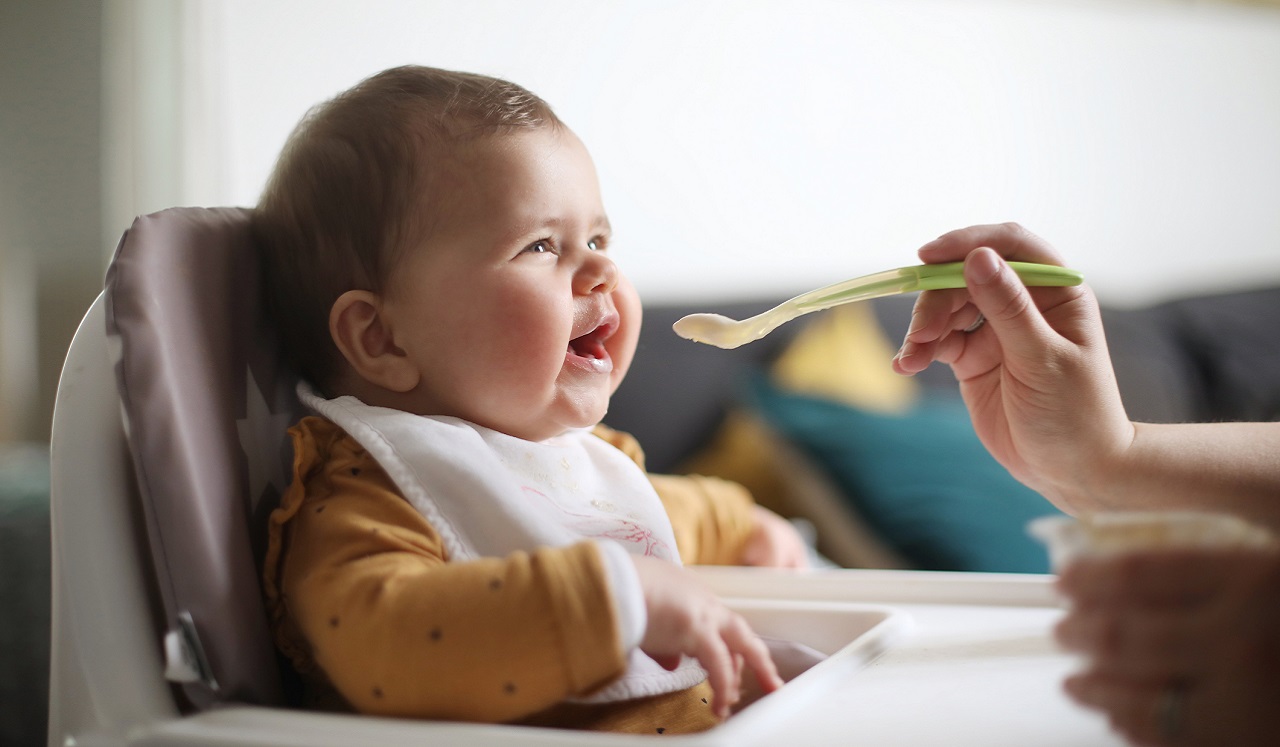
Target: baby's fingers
[[715, 657], [744, 643]]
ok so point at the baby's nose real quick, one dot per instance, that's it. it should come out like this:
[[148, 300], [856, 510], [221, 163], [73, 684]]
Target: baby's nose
[[598, 274]]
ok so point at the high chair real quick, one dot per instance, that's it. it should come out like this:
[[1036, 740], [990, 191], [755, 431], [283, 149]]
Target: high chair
[[155, 535], [168, 453]]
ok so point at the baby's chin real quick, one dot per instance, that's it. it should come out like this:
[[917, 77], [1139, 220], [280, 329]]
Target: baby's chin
[[589, 419], [548, 428]]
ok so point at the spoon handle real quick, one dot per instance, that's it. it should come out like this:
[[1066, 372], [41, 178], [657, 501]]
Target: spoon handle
[[922, 277]]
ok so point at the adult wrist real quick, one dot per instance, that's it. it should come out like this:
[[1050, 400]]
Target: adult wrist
[[1099, 479]]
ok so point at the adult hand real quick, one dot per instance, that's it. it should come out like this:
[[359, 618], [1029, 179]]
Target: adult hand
[[685, 618], [1183, 646], [1036, 376]]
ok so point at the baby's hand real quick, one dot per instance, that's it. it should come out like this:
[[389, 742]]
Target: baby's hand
[[685, 618], [775, 542]]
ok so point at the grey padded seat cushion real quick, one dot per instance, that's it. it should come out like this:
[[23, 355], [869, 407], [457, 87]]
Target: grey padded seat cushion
[[206, 405]]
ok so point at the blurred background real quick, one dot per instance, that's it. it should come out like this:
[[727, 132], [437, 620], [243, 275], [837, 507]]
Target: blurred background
[[748, 149]]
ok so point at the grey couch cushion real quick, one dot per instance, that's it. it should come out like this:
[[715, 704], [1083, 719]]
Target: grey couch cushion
[[1233, 341]]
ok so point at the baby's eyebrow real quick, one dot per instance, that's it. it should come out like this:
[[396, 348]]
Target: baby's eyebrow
[[534, 225]]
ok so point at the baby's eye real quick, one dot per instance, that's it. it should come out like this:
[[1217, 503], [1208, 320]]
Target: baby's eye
[[597, 244], [539, 247]]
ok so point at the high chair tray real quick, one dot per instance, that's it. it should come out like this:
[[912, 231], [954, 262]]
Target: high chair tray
[[959, 659], [848, 635], [915, 659], [980, 667]]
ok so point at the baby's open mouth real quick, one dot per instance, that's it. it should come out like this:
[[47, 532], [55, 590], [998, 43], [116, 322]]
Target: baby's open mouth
[[589, 348]]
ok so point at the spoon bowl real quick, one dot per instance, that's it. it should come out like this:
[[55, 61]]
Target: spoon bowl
[[726, 333]]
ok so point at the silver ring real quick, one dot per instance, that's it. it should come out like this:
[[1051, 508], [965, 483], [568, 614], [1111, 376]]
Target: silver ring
[[976, 324], [1170, 711]]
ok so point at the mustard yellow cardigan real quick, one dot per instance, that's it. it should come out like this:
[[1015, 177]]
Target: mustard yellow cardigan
[[377, 619]]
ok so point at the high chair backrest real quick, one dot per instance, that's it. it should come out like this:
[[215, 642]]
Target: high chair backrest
[[206, 402]]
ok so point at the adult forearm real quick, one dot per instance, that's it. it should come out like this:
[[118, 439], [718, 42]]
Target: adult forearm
[[1233, 467]]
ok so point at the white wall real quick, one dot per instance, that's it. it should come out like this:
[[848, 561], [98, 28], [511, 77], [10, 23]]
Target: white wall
[[50, 259], [768, 146]]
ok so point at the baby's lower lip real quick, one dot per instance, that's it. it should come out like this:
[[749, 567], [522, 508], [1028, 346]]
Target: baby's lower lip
[[601, 365]]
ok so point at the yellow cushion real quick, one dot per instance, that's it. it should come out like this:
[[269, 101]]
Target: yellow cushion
[[844, 356], [741, 451]]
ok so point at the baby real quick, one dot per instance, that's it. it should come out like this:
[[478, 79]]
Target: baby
[[461, 539]]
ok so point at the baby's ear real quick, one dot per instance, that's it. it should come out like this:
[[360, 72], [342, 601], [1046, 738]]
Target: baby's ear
[[358, 328]]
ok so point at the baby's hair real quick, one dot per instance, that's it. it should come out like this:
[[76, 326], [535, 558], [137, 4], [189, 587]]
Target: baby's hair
[[349, 193]]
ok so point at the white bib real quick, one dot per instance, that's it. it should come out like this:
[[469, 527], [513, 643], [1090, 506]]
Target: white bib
[[489, 495]]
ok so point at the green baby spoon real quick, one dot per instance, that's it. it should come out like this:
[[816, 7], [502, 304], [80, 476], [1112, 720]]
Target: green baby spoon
[[723, 332]]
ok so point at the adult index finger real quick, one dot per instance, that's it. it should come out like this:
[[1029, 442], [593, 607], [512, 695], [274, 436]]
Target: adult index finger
[[1009, 240]]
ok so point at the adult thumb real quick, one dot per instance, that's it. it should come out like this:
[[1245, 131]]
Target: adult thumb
[[1002, 298]]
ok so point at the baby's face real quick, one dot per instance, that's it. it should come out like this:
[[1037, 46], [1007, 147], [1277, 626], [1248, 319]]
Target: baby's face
[[512, 309]]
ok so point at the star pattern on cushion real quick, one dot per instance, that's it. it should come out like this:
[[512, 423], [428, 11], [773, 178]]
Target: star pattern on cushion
[[261, 433]]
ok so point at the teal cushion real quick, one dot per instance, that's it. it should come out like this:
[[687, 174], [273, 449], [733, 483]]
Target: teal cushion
[[24, 593], [922, 479]]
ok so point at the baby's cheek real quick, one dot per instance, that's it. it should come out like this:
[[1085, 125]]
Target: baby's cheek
[[622, 346]]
